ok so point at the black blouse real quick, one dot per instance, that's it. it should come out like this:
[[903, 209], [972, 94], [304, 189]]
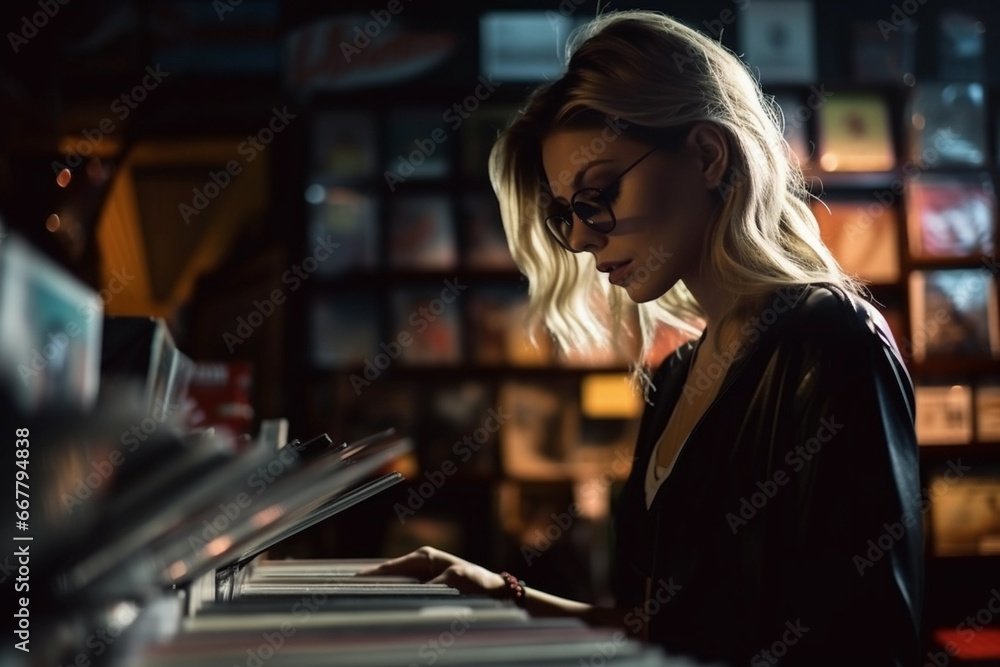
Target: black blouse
[[790, 528]]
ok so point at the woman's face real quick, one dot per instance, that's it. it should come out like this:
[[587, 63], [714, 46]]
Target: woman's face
[[663, 206]]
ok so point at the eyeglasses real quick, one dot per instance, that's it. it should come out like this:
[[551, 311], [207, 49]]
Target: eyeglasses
[[592, 206]]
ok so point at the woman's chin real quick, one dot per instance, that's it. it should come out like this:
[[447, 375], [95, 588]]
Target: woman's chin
[[644, 291]]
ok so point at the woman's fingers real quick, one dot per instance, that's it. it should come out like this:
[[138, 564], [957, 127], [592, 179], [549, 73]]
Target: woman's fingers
[[424, 563], [469, 578]]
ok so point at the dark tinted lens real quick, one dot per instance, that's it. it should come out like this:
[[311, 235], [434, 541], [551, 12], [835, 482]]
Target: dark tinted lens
[[589, 206], [560, 227]]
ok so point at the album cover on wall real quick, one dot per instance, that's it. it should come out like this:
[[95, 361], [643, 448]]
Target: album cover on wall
[[498, 330], [485, 242], [944, 414], [344, 145], [524, 45], [426, 322], [954, 313], [947, 124], [478, 134], [538, 442], [962, 44], [418, 146], [878, 55], [778, 38], [461, 429], [344, 329], [988, 413], [854, 133], [951, 215], [422, 233], [349, 218], [864, 238], [965, 516]]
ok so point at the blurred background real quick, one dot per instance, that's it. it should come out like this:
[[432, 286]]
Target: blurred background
[[297, 193]]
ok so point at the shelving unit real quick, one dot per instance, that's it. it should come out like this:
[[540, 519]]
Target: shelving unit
[[403, 394]]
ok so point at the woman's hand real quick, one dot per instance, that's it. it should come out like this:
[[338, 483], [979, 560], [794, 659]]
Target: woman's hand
[[434, 566]]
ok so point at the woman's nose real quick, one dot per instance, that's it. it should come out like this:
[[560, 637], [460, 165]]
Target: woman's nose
[[583, 237]]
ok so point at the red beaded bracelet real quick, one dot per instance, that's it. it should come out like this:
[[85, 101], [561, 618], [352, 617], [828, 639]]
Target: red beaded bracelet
[[516, 587]]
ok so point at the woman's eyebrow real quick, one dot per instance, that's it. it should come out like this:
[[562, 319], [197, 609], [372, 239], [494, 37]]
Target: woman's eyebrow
[[578, 177]]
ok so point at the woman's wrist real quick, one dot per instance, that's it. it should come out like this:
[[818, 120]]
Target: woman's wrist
[[513, 589]]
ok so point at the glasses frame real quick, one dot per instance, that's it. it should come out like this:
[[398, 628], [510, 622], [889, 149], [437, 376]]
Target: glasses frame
[[557, 221]]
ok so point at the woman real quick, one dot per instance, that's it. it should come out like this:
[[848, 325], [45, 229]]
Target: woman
[[778, 448]]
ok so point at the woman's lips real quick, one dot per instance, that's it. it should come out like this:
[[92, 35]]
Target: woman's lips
[[619, 273]]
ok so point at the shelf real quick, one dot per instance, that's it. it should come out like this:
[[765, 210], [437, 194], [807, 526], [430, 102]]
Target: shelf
[[464, 371], [931, 263], [368, 278], [819, 182], [976, 451], [954, 368]]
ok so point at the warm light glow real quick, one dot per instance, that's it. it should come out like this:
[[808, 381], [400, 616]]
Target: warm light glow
[[918, 121], [609, 396], [829, 162], [73, 146], [177, 570], [592, 505], [266, 516], [64, 177], [52, 223], [218, 545]]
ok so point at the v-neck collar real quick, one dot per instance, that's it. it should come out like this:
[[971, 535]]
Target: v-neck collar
[[674, 388]]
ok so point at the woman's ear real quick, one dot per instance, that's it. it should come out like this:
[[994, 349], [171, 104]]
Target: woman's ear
[[712, 152]]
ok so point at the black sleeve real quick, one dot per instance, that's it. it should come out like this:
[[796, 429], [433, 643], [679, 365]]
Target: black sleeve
[[846, 548]]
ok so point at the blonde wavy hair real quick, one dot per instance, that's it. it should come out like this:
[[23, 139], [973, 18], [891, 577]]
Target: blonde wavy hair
[[651, 73]]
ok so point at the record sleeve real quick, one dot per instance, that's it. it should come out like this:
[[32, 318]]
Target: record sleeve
[[883, 51], [950, 215], [479, 132], [344, 329], [962, 46], [947, 124], [497, 329], [988, 413], [426, 319], [538, 441], [347, 217], [418, 146], [486, 246], [965, 516], [422, 233], [343, 146], [854, 133], [863, 237], [523, 46], [778, 38], [944, 414], [954, 314]]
